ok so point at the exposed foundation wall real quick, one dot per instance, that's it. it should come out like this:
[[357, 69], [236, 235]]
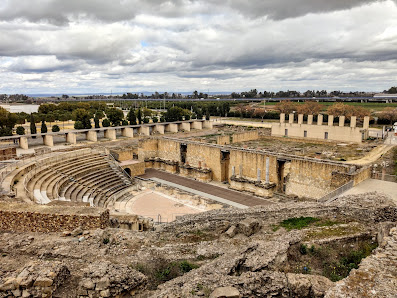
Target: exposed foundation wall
[[14, 219], [313, 179], [335, 133], [223, 140], [148, 149], [245, 136], [8, 153], [199, 155]]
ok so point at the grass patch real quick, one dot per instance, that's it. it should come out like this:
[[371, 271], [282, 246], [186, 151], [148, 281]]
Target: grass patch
[[159, 270], [298, 223], [332, 232]]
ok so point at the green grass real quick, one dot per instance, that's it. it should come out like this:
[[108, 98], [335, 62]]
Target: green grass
[[298, 223]]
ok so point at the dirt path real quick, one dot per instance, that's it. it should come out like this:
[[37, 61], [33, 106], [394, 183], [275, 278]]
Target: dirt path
[[372, 156]]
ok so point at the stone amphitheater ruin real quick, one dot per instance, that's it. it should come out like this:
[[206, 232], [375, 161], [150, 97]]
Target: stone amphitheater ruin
[[195, 209]]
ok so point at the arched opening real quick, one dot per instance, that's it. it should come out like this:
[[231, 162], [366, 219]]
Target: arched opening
[[128, 171]]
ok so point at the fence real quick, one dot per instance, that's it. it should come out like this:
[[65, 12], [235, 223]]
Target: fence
[[337, 192], [384, 177]]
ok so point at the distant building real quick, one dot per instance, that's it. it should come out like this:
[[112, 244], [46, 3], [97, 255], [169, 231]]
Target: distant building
[[385, 95]]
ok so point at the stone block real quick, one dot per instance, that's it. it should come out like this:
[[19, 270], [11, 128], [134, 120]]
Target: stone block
[[225, 292]]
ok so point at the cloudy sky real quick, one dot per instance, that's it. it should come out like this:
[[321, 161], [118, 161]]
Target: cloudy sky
[[84, 46]]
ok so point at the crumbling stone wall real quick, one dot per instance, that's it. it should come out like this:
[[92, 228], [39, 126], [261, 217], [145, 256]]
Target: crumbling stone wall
[[223, 140], [201, 156], [314, 179], [245, 136], [36, 218]]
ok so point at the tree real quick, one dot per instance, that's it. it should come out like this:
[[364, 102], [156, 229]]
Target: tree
[[33, 129], [286, 106], [124, 122], [389, 114], [155, 119], [105, 122], [55, 128], [20, 130], [175, 114], [146, 120], [86, 123], [261, 113], [115, 116], [147, 112], [131, 117], [78, 125], [96, 122], [392, 90], [139, 116], [309, 108], [43, 127]]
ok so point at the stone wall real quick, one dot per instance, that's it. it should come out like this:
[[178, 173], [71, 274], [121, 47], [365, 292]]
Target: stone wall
[[314, 179], [137, 168], [245, 136], [8, 153], [199, 155], [16, 217], [223, 140], [122, 155]]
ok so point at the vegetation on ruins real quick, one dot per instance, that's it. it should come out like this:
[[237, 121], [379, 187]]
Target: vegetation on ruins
[[55, 128], [43, 127], [20, 130], [7, 122], [131, 117], [115, 116], [33, 129]]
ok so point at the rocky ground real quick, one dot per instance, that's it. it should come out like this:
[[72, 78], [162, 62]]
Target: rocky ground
[[270, 251]]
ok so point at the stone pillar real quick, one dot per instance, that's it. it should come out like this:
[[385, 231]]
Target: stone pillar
[[144, 130], [110, 134], [353, 121], [127, 132], [366, 122], [258, 175], [291, 118], [159, 128], [23, 143], [320, 119], [48, 140], [185, 126], [197, 125], [342, 121], [208, 124], [267, 169], [171, 127], [310, 119], [330, 120], [233, 170], [282, 118], [91, 135], [241, 170], [71, 138], [300, 119]]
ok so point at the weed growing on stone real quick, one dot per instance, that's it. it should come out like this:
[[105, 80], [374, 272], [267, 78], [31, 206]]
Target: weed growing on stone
[[298, 223]]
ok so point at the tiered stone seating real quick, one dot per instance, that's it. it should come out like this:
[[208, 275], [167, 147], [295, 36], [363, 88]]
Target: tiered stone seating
[[89, 178]]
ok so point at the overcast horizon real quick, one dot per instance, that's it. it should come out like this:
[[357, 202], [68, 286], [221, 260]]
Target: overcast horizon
[[103, 46]]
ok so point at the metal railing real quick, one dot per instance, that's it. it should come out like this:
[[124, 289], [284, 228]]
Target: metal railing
[[337, 192], [384, 177]]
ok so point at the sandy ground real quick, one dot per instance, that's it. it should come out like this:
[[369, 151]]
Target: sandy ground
[[154, 205], [372, 156]]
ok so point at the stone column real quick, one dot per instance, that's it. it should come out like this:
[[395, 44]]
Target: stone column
[[144, 130], [330, 120], [197, 125], [208, 124], [320, 119], [267, 169], [258, 175], [282, 118], [233, 170], [171, 127], [48, 140], [291, 118], [159, 128], [23, 143], [342, 121], [353, 121], [91, 135], [127, 132], [241, 170], [110, 134], [71, 138], [300, 119], [366, 122], [310, 119], [185, 126]]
